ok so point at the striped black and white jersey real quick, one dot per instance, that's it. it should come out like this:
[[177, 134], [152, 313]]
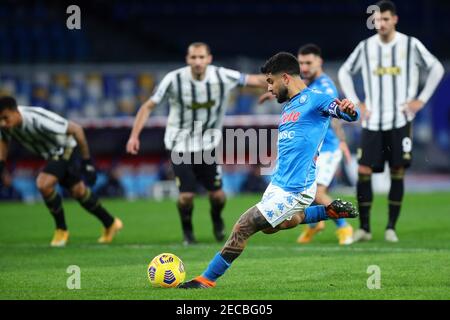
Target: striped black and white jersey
[[42, 132], [390, 72], [196, 107]]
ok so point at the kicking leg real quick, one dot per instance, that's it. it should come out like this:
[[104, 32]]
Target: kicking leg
[[248, 224], [253, 221]]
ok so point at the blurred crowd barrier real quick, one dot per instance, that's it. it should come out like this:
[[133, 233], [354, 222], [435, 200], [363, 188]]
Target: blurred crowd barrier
[[105, 98]]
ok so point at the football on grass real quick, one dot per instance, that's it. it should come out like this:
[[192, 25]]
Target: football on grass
[[166, 270]]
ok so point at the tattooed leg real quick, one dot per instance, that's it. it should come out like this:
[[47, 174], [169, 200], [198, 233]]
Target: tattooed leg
[[249, 223], [287, 224]]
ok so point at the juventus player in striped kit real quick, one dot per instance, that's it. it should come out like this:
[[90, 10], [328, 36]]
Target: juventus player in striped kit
[[390, 62], [198, 95], [55, 139]]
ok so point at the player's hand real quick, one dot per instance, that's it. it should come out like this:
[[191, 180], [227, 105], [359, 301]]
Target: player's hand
[[133, 146], [365, 113], [346, 151], [265, 97], [89, 172], [346, 106], [413, 106]]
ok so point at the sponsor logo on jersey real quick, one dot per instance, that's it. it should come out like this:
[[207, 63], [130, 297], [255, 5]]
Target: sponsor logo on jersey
[[203, 105], [390, 71], [303, 98], [286, 135], [290, 117]]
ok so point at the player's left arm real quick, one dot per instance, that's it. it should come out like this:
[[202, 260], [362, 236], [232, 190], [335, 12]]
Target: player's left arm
[[341, 109], [77, 131], [435, 73]]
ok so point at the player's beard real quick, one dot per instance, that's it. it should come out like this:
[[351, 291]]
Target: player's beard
[[282, 95]]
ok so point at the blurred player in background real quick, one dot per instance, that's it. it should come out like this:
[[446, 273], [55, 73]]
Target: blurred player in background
[[198, 95], [286, 201], [390, 62], [55, 139], [310, 60]]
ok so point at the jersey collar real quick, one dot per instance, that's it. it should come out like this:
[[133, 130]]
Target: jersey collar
[[295, 97]]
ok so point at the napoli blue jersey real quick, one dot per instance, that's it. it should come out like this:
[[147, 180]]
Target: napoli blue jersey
[[304, 123], [326, 85]]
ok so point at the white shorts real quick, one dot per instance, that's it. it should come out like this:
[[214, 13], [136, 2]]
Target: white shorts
[[278, 205], [326, 166]]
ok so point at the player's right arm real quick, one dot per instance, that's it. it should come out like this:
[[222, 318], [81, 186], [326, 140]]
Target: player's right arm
[[144, 112], [351, 66], [141, 117]]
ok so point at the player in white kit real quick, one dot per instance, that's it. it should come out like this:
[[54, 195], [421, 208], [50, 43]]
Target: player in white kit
[[60, 142], [197, 95], [390, 62]]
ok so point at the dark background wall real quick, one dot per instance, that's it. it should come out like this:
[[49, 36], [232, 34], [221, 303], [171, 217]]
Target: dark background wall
[[137, 30]]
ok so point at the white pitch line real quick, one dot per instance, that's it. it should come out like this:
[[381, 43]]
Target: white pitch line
[[165, 247]]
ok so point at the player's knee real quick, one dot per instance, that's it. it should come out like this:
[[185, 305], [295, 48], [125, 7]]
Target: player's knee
[[364, 170], [270, 230], [217, 197], [186, 199], [45, 186], [398, 171], [78, 191], [289, 224]]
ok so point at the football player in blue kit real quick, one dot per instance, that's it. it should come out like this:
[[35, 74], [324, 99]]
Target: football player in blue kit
[[286, 202], [310, 59]]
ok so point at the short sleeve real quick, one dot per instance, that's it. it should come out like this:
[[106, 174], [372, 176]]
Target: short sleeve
[[232, 78], [162, 89], [49, 121]]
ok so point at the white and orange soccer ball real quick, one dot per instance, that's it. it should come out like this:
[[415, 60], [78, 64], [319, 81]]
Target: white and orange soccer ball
[[166, 270]]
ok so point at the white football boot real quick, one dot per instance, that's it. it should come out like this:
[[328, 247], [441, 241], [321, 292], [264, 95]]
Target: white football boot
[[390, 235], [362, 235]]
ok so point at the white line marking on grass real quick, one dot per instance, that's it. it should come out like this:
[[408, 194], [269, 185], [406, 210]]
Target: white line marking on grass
[[163, 246]]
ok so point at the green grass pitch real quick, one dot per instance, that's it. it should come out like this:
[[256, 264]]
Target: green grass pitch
[[271, 267]]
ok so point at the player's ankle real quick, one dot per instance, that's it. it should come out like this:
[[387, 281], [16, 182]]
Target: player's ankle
[[205, 281]]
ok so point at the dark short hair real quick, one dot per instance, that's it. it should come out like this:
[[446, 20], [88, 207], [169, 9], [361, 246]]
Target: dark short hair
[[200, 44], [386, 5], [282, 62], [7, 102], [310, 48]]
